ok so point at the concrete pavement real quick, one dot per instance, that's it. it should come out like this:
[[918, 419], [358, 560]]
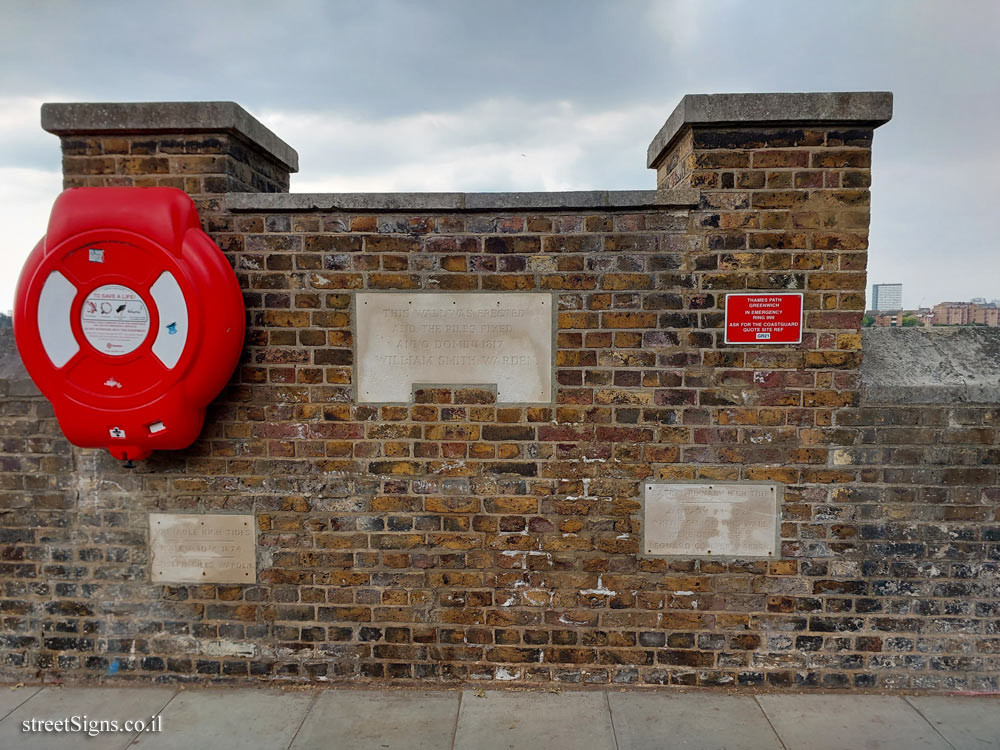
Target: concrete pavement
[[477, 719]]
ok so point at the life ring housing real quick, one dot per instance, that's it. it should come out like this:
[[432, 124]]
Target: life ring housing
[[128, 318]]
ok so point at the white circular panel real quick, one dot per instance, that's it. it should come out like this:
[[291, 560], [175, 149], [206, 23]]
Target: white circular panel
[[114, 319]]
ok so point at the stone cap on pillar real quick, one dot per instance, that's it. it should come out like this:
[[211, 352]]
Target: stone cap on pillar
[[109, 118], [869, 108]]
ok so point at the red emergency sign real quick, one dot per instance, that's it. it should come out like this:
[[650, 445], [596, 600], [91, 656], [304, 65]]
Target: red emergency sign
[[128, 318], [764, 318]]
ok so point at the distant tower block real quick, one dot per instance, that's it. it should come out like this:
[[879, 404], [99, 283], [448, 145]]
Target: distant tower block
[[887, 296]]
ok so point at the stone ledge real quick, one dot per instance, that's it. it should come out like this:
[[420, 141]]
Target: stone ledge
[[931, 365], [872, 108], [80, 118], [582, 199]]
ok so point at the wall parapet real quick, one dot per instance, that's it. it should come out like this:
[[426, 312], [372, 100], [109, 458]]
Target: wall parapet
[[574, 199]]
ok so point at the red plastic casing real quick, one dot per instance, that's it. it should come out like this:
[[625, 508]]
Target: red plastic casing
[[130, 402]]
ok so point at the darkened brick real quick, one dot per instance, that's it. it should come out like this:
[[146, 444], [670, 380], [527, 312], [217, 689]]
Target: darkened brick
[[508, 432]]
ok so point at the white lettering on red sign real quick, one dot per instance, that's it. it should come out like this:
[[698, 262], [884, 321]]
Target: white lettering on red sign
[[762, 318]]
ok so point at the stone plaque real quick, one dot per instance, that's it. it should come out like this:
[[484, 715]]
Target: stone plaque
[[194, 548], [470, 338], [711, 519]]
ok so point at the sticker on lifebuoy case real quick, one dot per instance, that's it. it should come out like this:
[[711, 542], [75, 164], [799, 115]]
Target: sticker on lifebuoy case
[[114, 319]]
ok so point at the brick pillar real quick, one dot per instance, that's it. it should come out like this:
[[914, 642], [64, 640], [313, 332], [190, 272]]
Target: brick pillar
[[203, 148], [784, 205], [785, 202]]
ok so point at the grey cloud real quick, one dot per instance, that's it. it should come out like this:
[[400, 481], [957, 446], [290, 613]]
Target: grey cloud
[[380, 57]]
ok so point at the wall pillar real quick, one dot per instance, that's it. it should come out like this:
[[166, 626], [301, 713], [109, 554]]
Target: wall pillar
[[203, 148], [784, 205], [785, 191]]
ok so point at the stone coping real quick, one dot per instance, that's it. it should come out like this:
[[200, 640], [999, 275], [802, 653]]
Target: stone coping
[[871, 108], [936, 365], [106, 118], [570, 200]]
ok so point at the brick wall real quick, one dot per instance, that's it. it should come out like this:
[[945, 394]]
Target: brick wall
[[458, 539]]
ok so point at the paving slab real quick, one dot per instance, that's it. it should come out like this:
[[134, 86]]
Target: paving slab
[[379, 720], [229, 719], [967, 722], [89, 704], [652, 721], [540, 721], [11, 698], [835, 722]]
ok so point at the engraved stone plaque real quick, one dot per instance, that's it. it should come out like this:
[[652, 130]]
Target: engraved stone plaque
[[470, 338], [711, 519], [195, 548]]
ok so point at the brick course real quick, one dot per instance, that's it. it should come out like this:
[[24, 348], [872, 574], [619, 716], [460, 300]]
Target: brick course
[[460, 539], [199, 164]]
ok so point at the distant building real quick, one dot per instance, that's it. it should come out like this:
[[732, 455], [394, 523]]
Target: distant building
[[887, 296], [901, 318], [888, 319], [951, 314], [925, 315], [986, 315], [966, 314]]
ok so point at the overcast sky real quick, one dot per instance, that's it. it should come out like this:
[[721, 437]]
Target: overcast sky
[[383, 95]]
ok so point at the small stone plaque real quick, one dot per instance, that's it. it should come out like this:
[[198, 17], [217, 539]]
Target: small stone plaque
[[195, 548], [710, 519], [438, 338]]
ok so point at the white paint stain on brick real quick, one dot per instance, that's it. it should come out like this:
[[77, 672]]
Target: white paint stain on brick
[[600, 589], [224, 648]]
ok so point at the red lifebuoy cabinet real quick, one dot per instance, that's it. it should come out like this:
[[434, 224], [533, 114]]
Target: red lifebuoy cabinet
[[128, 318]]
